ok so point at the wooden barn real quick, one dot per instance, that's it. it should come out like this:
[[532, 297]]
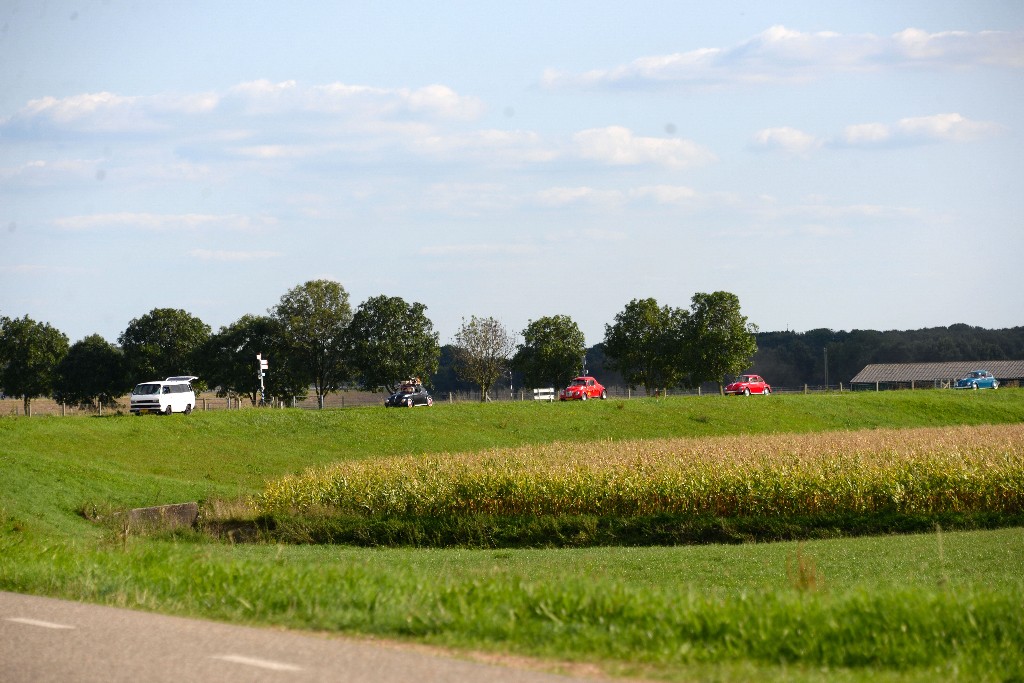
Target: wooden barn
[[1010, 373]]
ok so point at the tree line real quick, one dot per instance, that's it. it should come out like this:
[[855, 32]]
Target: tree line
[[315, 343], [797, 358]]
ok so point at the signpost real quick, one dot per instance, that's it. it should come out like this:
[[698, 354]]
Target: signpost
[[262, 365]]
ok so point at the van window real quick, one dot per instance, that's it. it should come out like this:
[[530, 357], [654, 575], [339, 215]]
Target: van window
[[146, 389]]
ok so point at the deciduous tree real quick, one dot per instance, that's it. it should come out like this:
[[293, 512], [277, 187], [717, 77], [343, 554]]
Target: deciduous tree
[[551, 353], [163, 343], [483, 349], [93, 373], [314, 317], [29, 355], [229, 360], [391, 340], [646, 344], [719, 339]]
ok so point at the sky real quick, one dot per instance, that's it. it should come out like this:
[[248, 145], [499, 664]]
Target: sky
[[834, 164]]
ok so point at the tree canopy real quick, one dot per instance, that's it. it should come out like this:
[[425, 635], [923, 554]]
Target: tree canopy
[[551, 353], [92, 373], [314, 317], [391, 340], [719, 340], [483, 349], [163, 343], [229, 360], [646, 344], [29, 355]]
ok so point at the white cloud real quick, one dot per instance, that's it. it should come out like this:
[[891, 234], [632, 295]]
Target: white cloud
[[478, 250], [165, 222], [438, 101], [950, 127], [564, 196], [789, 140], [106, 112], [779, 55], [494, 146], [947, 127], [618, 146], [666, 194], [232, 256]]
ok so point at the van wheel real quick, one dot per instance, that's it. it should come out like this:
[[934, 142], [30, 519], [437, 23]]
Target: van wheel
[[188, 409], [167, 410]]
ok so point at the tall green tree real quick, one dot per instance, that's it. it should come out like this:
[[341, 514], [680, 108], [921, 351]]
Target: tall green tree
[[720, 341], [484, 348], [29, 355], [163, 343], [314, 317], [229, 360], [391, 340], [551, 353], [93, 373], [646, 344]]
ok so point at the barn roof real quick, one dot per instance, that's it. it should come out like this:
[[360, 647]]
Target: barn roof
[[907, 372]]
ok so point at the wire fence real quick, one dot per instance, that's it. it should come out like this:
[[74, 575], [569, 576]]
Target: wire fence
[[209, 401]]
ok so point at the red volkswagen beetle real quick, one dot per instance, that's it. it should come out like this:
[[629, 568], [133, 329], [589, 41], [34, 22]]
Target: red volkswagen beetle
[[582, 388], [747, 385]]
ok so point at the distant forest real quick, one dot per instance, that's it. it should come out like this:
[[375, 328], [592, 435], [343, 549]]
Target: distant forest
[[792, 359]]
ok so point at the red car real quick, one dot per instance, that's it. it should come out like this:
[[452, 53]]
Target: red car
[[747, 385], [582, 388]]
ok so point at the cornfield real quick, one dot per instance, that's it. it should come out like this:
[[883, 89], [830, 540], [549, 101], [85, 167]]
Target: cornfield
[[914, 471]]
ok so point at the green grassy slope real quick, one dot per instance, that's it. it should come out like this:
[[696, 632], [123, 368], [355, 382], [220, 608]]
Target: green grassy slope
[[885, 608], [52, 466]]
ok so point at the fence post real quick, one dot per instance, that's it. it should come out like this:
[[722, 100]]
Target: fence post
[[805, 388]]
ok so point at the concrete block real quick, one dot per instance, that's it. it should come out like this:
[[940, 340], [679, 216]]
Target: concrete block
[[164, 516]]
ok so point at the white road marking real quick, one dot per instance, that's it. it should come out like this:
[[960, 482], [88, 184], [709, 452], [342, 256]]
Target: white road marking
[[261, 663], [36, 622]]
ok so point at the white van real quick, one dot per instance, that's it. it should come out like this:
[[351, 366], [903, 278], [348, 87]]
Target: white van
[[172, 395]]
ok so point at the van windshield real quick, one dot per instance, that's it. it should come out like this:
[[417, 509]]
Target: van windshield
[[145, 389]]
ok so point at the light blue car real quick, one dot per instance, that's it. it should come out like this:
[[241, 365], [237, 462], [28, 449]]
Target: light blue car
[[978, 379]]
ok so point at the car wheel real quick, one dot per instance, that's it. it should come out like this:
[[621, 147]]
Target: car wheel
[[430, 402], [188, 409], [746, 392], [766, 391], [167, 410], [604, 394], [408, 403], [974, 386], [583, 396]]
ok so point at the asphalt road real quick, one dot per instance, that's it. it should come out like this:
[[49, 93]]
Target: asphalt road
[[43, 639]]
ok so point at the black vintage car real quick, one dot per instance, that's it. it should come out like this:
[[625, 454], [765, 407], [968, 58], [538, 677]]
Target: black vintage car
[[409, 395]]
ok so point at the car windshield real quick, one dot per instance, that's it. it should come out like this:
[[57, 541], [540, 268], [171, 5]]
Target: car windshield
[[146, 389], [578, 383]]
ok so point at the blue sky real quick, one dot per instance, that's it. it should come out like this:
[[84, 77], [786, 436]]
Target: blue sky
[[841, 165]]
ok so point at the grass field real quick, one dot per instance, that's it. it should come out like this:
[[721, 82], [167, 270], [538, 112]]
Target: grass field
[[935, 606]]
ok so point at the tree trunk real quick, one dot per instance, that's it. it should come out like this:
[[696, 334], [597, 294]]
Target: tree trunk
[[28, 405]]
